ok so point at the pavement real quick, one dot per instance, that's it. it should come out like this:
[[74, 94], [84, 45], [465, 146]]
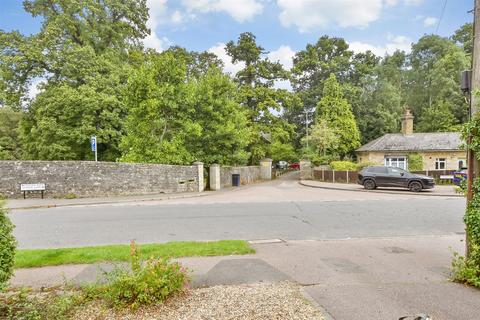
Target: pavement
[[381, 278], [38, 203], [439, 190]]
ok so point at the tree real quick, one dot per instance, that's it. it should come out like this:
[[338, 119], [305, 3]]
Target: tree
[[434, 76], [55, 53], [10, 147], [62, 119], [82, 54], [334, 109], [257, 94], [379, 108], [157, 123], [437, 118], [174, 119], [225, 132], [322, 138], [313, 66], [464, 37], [198, 63]]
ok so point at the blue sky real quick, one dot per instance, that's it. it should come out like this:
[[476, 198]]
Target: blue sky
[[283, 26]]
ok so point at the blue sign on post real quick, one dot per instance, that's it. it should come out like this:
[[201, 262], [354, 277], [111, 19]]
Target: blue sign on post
[[93, 143]]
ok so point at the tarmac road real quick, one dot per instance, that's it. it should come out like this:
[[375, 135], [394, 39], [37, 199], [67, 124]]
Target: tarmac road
[[263, 211]]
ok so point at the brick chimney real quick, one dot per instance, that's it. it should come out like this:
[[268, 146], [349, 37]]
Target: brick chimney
[[407, 122]]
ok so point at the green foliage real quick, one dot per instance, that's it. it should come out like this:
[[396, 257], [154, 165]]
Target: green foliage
[[415, 162], [81, 58], [282, 151], [343, 165], [472, 130], [25, 305], [10, 148], [334, 109], [322, 138], [365, 164], [261, 100], [29, 258], [464, 37], [149, 282], [7, 247], [312, 154], [177, 120], [467, 269], [55, 128], [224, 129]]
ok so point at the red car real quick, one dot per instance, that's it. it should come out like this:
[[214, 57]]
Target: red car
[[294, 166]]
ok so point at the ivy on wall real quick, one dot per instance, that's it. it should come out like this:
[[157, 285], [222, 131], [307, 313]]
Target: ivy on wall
[[467, 269]]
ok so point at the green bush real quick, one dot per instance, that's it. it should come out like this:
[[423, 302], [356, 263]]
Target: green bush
[[467, 270], [415, 162], [7, 247], [364, 164], [343, 165], [26, 305], [148, 282]]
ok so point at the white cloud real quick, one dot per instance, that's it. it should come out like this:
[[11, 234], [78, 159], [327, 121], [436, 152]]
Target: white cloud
[[157, 11], [177, 17], [430, 21], [394, 43], [241, 11], [229, 67], [308, 14], [413, 2], [284, 54]]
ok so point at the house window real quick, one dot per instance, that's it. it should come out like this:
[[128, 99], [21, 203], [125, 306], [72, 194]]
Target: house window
[[399, 162], [440, 163], [462, 164]]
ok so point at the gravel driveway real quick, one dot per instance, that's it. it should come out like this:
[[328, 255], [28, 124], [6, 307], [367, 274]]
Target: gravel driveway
[[246, 302]]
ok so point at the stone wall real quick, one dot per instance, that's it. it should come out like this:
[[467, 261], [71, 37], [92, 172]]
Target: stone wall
[[87, 178], [248, 175]]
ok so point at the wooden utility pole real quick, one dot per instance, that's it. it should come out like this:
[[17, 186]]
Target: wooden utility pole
[[475, 87], [476, 58]]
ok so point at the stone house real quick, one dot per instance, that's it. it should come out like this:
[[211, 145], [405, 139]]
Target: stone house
[[438, 150]]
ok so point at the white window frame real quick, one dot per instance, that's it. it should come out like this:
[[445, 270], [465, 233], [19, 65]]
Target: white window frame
[[439, 162], [397, 161]]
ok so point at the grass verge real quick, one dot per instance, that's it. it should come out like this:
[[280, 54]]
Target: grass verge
[[116, 253]]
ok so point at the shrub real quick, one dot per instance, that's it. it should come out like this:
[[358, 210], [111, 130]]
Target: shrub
[[343, 165], [467, 270], [146, 283], [7, 247], [26, 305], [415, 162], [362, 165]]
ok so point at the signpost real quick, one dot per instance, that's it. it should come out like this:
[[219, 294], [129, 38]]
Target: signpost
[[32, 187], [93, 143]]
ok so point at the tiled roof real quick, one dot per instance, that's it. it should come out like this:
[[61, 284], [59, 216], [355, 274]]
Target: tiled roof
[[438, 141]]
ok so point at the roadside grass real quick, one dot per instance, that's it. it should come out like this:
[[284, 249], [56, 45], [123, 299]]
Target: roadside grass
[[29, 258]]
